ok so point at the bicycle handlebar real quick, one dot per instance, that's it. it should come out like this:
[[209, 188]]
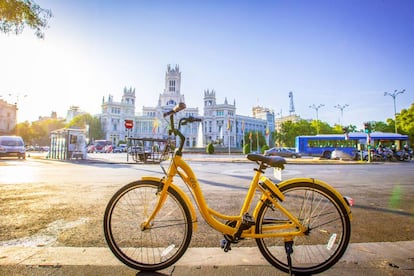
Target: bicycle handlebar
[[176, 109], [183, 121]]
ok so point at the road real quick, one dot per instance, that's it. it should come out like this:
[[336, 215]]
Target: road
[[54, 204], [38, 193]]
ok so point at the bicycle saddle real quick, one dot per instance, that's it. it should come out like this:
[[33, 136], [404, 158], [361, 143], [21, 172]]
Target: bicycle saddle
[[272, 161]]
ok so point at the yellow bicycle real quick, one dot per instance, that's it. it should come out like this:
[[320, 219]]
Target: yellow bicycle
[[301, 225]]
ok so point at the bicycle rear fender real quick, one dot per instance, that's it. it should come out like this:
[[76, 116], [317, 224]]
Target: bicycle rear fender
[[182, 194], [320, 183]]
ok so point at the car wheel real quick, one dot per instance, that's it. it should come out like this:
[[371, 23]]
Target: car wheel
[[294, 156], [327, 155]]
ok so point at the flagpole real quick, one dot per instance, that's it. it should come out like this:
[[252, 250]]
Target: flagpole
[[251, 141], [229, 142], [229, 130]]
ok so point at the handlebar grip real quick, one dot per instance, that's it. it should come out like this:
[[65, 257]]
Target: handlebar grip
[[194, 119], [179, 107], [176, 109]]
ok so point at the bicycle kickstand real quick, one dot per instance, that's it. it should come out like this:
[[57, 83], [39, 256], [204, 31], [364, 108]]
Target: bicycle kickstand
[[289, 251], [225, 245]]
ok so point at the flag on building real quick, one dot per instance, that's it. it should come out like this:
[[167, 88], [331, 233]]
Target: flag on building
[[267, 130], [250, 135], [155, 126], [228, 124]]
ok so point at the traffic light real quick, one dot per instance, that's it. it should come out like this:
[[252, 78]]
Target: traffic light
[[367, 127]]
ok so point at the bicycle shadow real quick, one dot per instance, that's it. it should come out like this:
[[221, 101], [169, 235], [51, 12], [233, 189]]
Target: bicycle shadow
[[150, 273]]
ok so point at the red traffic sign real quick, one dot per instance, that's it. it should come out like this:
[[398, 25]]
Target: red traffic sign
[[129, 124]]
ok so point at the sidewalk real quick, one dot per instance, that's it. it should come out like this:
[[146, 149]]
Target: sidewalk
[[385, 258]]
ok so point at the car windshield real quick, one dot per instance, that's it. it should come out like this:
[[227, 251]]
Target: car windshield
[[12, 143], [100, 143]]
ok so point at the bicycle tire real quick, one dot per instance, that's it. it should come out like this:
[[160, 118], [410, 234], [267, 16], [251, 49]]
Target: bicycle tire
[[329, 229], [163, 243]]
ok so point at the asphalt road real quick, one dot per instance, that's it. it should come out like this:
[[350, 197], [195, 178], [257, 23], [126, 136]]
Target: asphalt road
[[383, 192]]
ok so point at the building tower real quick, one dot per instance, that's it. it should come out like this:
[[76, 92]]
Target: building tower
[[128, 102], [291, 106], [209, 99], [171, 95]]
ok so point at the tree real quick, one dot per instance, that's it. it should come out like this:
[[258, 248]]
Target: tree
[[405, 122], [289, 131], [16, 14], [324, 128], [25, 131], [383, 127], [210, 148], [253, 135], [38, 133], [94, 123], [246, 148]]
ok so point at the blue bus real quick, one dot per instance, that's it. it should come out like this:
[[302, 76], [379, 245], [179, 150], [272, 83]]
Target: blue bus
[[326, 143]]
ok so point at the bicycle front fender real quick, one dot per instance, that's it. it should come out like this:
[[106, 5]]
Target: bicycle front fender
[[320, 183], [183, 196]]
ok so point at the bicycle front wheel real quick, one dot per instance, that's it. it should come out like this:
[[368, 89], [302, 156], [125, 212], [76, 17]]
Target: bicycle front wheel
[[151, 249], [327, 221]]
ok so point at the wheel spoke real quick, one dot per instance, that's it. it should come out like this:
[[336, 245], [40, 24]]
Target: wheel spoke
[[163, 242]]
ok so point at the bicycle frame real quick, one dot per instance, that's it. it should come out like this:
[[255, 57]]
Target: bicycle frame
[[179, 167], [291, 226]]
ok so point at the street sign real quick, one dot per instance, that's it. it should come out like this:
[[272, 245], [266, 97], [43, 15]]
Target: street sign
[[129, 124]]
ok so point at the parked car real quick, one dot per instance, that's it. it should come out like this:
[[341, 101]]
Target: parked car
[[109, 148], [101, 146], [340, 155], [120, 148], [12, 146], [91, 149], [284, 152]]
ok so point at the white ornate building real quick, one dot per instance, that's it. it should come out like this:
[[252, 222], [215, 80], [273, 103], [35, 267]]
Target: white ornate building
[[150, 123], [220, 123]]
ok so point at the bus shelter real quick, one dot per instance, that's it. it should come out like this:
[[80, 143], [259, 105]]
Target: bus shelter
[[147, 150], [68, 143]]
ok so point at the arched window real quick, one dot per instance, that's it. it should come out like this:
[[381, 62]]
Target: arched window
[[171, 102]]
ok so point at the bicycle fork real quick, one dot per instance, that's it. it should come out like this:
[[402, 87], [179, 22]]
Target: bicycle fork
[[162, 193]]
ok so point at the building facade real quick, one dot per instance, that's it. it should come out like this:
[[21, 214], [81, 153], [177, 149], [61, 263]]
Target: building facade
[[150, 123], [72, 113], [8, 117], [220, 123]]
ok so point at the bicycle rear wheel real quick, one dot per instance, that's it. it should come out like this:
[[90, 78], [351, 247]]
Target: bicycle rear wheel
[[157, 247], [328, 223]]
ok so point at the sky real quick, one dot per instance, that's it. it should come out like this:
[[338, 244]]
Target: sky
[[328, 52]]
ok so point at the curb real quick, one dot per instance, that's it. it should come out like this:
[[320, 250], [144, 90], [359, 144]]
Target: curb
[[398, 256]]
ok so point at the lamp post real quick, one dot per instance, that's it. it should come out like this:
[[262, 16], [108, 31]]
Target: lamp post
[[317, 115], [394, 95], [341, 107]]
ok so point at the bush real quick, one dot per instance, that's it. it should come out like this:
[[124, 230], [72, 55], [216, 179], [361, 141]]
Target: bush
[[210, 148], [246, 149], [265, 147]]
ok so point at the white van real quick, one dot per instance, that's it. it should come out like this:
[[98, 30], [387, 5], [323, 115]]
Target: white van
[[12, 146]]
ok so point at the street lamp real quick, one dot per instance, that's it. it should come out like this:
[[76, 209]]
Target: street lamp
[[341, 107], [394, 95], [317, 117]]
